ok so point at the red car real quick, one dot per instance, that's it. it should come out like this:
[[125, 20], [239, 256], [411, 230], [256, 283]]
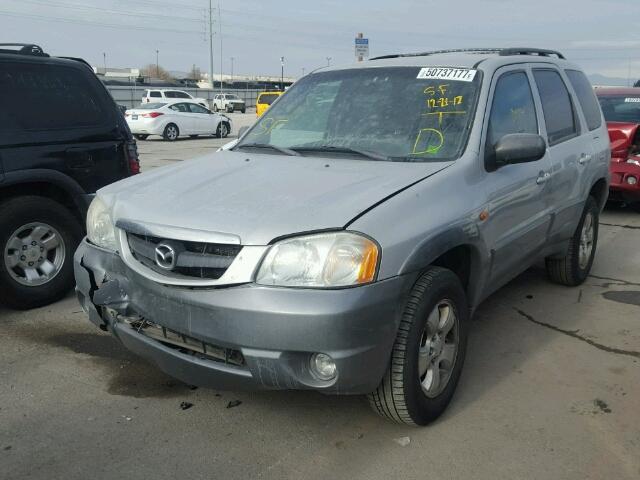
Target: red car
[[621, 109]]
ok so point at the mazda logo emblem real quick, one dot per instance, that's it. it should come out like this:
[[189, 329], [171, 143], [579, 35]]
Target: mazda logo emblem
[[166, 256]]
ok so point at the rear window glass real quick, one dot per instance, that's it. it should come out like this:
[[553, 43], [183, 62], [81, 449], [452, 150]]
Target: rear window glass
[[180, 95], [268, 98], [155, 94], [150, 106], [586, 97], [44, 96]]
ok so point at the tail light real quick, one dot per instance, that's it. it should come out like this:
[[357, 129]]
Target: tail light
[[152, 114], [131, 156]]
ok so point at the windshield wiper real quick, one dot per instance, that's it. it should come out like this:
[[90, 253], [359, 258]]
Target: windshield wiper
[[286, 151], [338, 149]]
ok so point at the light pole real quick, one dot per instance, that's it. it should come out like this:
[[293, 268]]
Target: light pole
[[232, 59], [157, 64], [104, 61], [328, 61], [282, 73]]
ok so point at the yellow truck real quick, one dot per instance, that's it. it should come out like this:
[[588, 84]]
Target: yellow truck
[[265, 99]]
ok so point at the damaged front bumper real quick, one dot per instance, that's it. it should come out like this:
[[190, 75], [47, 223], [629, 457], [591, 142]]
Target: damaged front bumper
[[245, 336]]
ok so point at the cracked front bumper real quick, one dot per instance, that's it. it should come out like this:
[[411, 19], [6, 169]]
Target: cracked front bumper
[[275, 329]]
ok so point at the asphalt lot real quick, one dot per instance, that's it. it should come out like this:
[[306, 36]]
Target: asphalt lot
[[550, 390]]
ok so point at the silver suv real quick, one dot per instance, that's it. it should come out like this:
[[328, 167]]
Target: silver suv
[[346, 239]]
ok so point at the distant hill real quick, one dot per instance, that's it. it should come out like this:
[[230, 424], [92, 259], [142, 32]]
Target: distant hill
[[602, 80]]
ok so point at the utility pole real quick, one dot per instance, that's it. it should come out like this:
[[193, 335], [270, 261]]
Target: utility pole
[[282, 73], [210, 45], [104, 61], [328, 61], [157, 64], [220, 34]]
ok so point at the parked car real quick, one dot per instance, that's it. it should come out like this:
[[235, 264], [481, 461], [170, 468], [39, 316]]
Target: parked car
[[172, 120], [62, 137], [167, 95], [346, 256], [228, 102], [264, 101], [621, 108]]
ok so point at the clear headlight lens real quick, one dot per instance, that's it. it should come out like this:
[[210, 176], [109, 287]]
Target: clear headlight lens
[[321, 260], [100, 229]]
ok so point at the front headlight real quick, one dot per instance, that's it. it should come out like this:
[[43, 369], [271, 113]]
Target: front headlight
[[100, 229], [322, 260]]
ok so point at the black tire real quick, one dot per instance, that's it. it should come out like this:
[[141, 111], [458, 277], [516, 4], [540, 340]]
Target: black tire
[[140, 136], [230, 108], [400, 396], [635, 206], [244, 110], [220, 133], [568, 270], [168, 133], [19, 211], [215, 107]]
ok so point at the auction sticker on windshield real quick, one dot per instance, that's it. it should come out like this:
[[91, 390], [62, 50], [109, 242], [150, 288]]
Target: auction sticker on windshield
[[445, 73]]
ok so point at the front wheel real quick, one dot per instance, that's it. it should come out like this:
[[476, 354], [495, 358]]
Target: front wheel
[[574, 267], [215, 107], [37, 239], [428, 353], [171, 132], [223, 130], [140, 136]]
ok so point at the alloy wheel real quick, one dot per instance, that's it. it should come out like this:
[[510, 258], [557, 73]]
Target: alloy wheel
[[586, 241]]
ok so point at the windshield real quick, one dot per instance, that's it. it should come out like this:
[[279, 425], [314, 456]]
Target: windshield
[[267, 98], [623, 108], [400, 113]]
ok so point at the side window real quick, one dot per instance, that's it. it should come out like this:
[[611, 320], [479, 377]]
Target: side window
[[155, 93], [39, 96], [586, 97], [170, 94], [180, 107], [181, 95], [558, 110], [195, 108], [513, 109]]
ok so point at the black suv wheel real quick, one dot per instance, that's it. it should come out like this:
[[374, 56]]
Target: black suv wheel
[[38, 237]]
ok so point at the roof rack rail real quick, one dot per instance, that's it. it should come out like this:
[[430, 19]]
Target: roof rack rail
[[78, 59], [500, 51], [530, 51], [25, 49]]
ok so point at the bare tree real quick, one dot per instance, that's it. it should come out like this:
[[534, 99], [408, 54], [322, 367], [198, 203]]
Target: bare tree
[[153, 71]]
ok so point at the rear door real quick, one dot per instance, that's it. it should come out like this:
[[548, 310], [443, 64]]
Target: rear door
[[570, 150], [182, 116], [58, 116], [518, 194]]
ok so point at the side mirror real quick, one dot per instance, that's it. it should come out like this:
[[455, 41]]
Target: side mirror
[[518, 148], [242, 131]]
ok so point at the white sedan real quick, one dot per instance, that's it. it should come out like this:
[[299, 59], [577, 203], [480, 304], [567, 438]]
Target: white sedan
[[172, 120]]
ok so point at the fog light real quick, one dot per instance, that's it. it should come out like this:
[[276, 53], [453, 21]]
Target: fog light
[[322, 366], [631, 180]]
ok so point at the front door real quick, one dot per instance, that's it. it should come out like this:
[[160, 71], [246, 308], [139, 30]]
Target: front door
[[518, 205]]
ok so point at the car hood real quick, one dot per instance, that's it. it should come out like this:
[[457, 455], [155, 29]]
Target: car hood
[[260, 197]]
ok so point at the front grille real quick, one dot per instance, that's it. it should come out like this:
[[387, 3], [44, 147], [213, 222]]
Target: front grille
[[184, 343], [193, 259]]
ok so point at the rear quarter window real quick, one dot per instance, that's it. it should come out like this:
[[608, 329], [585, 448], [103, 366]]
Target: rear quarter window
[[558, 110], [50, 97], [586, 97]]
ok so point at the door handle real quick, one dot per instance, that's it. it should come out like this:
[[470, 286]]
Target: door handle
[[584, 159], [543, 177]]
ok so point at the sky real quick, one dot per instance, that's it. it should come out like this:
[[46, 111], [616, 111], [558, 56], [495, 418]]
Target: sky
[[601, 36]]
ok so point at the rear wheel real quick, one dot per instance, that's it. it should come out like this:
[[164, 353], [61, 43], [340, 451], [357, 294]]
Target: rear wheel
[[574, 267], [223, 130], [215, 107], [171, 132], [37, 239], [140, 136], [428, 353], [243, 110]]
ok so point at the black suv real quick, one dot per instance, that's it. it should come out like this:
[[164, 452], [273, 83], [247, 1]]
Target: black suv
[[62, 137]]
